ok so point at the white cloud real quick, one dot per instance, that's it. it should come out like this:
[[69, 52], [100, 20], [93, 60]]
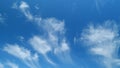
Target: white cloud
[[12, 65], [63, 52], [40, 45], [53, 25], [52, 40], [63, 47], [24, 7], [53, 35], [23, 54], [1, 65], [103, 41]]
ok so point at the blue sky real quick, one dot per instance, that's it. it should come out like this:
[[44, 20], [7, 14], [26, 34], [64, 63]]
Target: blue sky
[[59, 34]]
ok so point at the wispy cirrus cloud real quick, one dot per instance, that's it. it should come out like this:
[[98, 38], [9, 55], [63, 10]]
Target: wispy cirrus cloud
[[24, 7], [103, 40], [41, 46], [63, 52], [23, 54], [102, 3], [8, 64], [53, 39], [12, 65]]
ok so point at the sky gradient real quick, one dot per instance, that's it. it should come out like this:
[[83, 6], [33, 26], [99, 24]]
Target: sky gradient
[[59, 34]]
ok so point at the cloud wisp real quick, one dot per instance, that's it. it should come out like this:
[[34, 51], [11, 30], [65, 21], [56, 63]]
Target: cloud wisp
[[102, 3], [12, 65], [41, 46], [24, 7], [22, 54], [103, 40], [53, 39]]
